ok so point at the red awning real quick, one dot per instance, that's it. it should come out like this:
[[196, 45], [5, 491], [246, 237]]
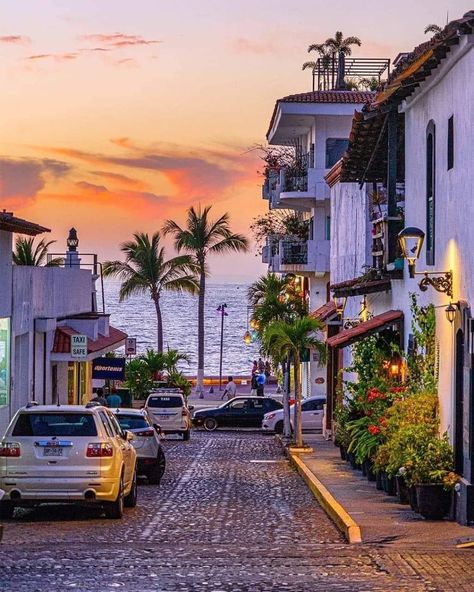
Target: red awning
[[324, 312], [373, 325], [62, 340]]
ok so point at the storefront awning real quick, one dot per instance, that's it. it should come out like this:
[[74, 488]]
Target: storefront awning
[[324, 312], [373, 325], [62, 340]]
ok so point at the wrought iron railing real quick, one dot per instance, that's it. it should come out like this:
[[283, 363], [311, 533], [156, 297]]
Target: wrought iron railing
[[296, 175], [294, 252]]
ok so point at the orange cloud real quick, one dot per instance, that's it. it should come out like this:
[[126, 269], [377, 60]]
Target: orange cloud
[[120, 179], [59, 57]]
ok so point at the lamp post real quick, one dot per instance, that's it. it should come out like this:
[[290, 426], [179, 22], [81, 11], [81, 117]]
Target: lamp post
[[221, 309]]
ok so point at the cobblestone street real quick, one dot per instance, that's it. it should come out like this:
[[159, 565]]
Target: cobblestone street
[[230, 514]]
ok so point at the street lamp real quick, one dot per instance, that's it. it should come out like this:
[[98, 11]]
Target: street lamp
[[451, 311], [72, 240], [340, 302], [411, 240], [221, 309]]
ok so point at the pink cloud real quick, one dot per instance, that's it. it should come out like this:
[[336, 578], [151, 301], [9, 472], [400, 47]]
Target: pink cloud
[[15, 39], [243, 45], [59, 57], [118, 40]]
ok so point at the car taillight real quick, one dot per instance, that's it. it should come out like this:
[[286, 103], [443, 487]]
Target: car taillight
[[10, 449], [184, 412], [148, 433], [99, 449]]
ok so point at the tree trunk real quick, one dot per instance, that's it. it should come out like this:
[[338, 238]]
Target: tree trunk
[[201, 302], [286, 399], [159, 325], [297, 420]]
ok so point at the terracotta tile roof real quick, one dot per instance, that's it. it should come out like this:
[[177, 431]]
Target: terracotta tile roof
[[365, 158], [324, 312], [330, 96], [361, 286], [373, 325], [62, 340], [334, 174], [11, 223], [354, 97]]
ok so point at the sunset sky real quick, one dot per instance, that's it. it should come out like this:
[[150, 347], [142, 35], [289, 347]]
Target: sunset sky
[[118, 114]]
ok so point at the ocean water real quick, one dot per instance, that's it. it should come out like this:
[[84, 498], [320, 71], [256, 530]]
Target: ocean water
[[136, 316]]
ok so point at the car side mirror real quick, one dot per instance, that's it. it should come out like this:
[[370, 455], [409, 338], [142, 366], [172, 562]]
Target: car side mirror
[[191, 407], [128, 436], [158, 429]]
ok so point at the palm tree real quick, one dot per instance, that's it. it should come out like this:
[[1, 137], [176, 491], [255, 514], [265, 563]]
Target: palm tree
[[433, 29], [26, 253], [325, 56], [267, 286], [145, 270], [342, 47], [200, 238], [171, 359], [282, 339]]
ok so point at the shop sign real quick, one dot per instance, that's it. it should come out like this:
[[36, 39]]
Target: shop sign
[[79, 346], [108, 368], [4, 362]]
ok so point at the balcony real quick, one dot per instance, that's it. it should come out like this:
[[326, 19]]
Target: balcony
[[301, 189], [304, 257]]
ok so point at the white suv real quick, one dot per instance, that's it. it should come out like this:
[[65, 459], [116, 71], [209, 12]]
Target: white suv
[[70, 453], [169, 410]]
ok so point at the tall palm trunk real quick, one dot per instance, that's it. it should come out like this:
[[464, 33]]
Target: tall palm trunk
[[159, 325], [297, 420], [201, 302], [286, 398]]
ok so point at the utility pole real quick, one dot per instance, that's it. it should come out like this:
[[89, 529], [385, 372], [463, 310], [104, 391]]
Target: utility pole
[[221, 308]]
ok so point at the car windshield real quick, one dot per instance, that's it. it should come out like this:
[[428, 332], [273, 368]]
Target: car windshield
[[55, 424], [132, 422], [165, 401]]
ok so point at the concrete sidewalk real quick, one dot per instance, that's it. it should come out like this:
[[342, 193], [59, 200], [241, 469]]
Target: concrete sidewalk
[[381, 518]]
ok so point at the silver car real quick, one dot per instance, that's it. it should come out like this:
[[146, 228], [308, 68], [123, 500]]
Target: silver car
[[146, 441], [169, 409]]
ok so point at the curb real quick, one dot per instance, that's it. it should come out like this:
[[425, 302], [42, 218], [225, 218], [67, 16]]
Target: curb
[[344, 522]]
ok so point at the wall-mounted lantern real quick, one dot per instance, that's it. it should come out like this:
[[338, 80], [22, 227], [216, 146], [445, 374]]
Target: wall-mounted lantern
[[451, 311], [340, 302], [411, 240], [72, 240]]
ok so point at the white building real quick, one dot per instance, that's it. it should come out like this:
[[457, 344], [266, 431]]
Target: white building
[[40, 309], [415, 139], [317, 125]]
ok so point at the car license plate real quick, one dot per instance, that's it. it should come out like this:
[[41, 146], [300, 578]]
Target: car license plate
[[53, 451]]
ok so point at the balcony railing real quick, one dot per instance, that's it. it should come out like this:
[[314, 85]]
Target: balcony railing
[[294, 252], [296, 175]]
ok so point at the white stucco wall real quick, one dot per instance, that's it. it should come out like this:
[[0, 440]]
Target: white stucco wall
[[5, 273]]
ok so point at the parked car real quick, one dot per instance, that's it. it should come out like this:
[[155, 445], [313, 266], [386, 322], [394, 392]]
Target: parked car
[[168, 409], [311, 416], [242, 412], [151, 460], [67, 454]]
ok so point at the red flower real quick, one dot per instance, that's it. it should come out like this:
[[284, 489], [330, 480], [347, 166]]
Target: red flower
[[383, 422], [374, 430]]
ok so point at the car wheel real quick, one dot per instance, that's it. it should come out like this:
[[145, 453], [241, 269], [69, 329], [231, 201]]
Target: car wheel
[[210, 424], [279, 427], [186, 435], [156, 473], [7, 510], [130, 501], [114, 510]]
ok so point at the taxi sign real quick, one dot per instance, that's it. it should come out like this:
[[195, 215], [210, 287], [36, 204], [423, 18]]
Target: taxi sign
[[79, 346]]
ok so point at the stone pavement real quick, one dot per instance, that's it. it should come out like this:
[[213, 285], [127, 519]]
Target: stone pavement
[[230, 515], [380, 517]]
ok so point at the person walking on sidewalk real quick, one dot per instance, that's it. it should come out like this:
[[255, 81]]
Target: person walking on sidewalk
[[230, 389]]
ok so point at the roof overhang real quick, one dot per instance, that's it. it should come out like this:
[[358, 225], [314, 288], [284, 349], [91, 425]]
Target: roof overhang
[[325, 312], [374, 325], [361, 287], [10, 223]]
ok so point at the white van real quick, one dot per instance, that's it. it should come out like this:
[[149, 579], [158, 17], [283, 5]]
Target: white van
[[169, 409]]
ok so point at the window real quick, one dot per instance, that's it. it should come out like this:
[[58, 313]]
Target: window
[[240, 404], [335, 148], [328, 228], [165, 402], [108, 428], [450, 142], [55, 424], [315, 405], [430, 192], [132, 422]]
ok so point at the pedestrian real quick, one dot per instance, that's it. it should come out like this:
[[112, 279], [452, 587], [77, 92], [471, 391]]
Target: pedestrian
[[253, 384], [114, 400], [260, 378], [261, 366], [254, 368], [268, 369], [99, 397], [230, 389]]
